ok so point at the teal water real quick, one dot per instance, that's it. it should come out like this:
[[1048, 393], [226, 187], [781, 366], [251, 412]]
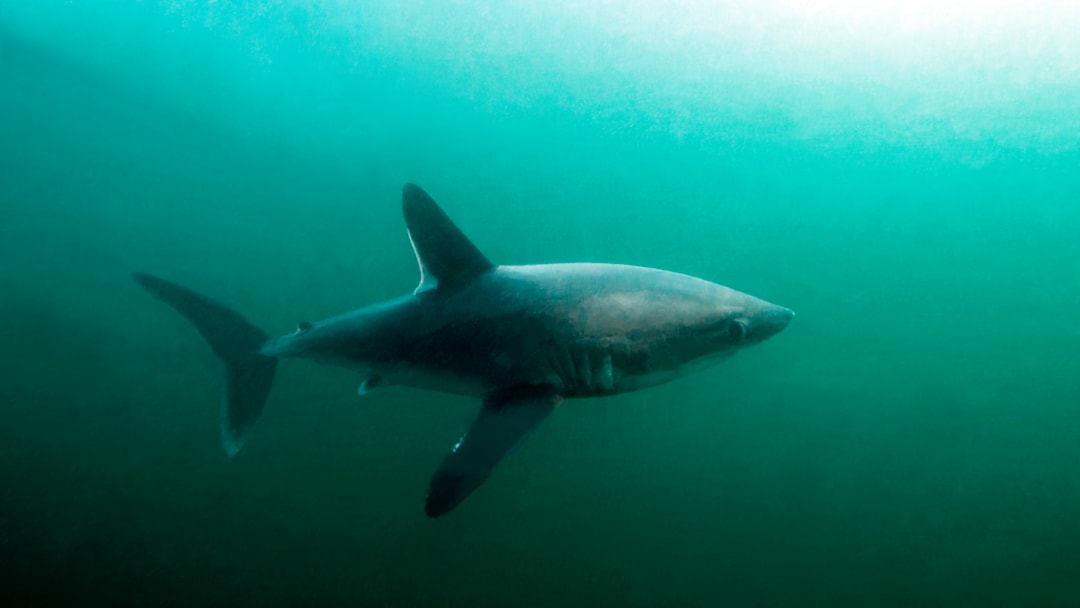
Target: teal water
[[906, 177]]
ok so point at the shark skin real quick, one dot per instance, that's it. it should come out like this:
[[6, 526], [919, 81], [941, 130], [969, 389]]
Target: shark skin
[[520, 338]]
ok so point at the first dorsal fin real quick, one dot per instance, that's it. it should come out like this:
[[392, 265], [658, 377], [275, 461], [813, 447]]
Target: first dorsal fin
[[446, 256]]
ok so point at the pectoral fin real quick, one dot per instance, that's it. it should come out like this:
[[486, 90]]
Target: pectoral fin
[[505, 418]]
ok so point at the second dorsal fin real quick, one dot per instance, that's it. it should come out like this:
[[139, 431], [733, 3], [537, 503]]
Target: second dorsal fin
[[446, 256]]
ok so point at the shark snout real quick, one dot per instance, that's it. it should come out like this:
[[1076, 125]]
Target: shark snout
[[786, 314], [771, 321]]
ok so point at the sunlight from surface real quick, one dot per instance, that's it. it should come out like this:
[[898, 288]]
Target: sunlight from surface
[[927, 14], [832, 73]]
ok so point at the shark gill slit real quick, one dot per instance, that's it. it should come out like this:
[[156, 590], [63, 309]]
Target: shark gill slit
[[585, 367]]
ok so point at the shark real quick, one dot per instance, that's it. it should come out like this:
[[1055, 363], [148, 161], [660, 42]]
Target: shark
[[521, 339]]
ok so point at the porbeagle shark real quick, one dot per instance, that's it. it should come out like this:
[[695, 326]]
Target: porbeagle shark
[[521, 338]]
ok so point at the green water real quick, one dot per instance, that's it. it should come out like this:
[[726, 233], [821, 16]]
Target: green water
[[905, 177]]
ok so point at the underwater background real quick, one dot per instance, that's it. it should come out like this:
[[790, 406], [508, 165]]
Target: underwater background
[[904, 175]]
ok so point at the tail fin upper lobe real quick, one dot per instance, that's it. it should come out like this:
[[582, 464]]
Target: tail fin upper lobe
[[237, 342]]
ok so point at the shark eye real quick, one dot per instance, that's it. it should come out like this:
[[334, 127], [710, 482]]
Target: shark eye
[[737, 330]]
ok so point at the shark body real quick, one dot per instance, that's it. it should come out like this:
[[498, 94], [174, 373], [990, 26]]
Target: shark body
[[521, 338]]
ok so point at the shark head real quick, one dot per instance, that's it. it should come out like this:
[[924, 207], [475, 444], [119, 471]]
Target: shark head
[[703, 321], [756, 320]]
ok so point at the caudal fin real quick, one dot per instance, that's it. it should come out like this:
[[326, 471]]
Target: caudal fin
[[237, 342]]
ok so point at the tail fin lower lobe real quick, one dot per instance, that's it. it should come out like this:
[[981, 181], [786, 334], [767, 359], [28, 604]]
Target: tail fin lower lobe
[[237, 342]]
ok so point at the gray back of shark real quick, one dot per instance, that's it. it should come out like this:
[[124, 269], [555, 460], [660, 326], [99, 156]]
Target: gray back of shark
[[522, 338]]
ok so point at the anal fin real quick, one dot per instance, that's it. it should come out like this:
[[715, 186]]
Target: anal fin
[[369, 384]]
